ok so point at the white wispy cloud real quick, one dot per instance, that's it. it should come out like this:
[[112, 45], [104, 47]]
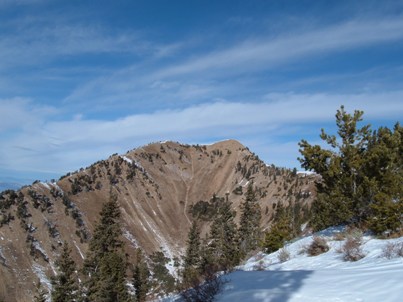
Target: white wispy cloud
[[167, 91], [265, 53], [22, 113], [60, 146], [31, 42], [220, 73]]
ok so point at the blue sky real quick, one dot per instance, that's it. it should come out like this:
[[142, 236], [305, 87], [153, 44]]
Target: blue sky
[[81, 80]]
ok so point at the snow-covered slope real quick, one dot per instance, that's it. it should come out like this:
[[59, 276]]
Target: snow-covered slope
[[326, 277]]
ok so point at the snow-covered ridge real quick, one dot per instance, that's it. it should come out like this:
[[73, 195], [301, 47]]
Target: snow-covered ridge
[[326, 277]]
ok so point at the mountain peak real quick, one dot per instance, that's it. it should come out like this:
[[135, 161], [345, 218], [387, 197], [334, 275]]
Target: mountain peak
[[161, 188]]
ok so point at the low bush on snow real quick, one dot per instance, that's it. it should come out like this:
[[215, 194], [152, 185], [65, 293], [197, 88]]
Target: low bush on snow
[[318, 246], [392, 250], [351, 249], [283, 255]]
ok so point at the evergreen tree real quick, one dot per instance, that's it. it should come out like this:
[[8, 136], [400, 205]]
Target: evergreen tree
[[141, 276], [163, 280], [361, 174], [249, 225], [105, 264], [280, 231], [385, 176], [208, 264], [192, 257], [65, 284], [191, 274], [223, 245]]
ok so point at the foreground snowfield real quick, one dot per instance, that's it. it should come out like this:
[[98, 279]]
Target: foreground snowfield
[[326, 277]]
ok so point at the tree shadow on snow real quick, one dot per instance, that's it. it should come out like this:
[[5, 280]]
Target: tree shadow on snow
[[262, 286]]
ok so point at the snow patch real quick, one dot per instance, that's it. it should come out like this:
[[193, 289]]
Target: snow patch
[[43, 279], [131, 238], [58, 188], [125, 158], [138, 165], [78, 249], [244, 182], [306, 173], [38, 246], [45, 184]]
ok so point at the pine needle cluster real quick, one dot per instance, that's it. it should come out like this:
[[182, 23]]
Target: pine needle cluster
[[362, 175]]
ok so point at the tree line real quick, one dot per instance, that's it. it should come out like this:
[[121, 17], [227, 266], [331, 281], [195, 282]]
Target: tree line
[[104, 276], [360, 183]]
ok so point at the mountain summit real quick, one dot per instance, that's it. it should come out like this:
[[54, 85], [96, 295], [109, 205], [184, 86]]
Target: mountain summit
[[161, 188]]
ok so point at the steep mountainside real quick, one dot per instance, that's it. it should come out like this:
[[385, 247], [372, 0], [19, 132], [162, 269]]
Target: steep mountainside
[[161, 188]]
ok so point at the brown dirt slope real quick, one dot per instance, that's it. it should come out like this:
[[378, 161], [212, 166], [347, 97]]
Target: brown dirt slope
[[157, 185]]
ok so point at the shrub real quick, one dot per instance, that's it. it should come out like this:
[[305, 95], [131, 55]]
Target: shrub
[[283, 255], [351, 249], [339, 236], [392, 250], [259, 266], [318, 246]]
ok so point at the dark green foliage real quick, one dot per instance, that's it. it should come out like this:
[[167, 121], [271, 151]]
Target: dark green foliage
[[40, 201], [206, 211], [75, 187], [361, 175], [141, 274], [191, 274], [5, 218], [163, 280], [280, 231], [386, 214], [110, 282], [249, 225], [238, 190], [65, 283], [105, 264], [7, 199], [223, 247], [192, 257], [22, 210], [218, 251]]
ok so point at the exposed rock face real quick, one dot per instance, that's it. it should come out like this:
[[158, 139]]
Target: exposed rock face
[[157, 187]]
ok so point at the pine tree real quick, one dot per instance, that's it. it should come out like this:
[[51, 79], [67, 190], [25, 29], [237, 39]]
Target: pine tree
[[65, 284], [249, 225], [105, 265], [163, 280], [191, 275], [386, 215], [280, 231], [223, 245], [192, 257], [361, 174], [141, 276]]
